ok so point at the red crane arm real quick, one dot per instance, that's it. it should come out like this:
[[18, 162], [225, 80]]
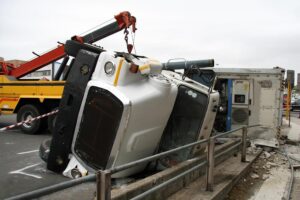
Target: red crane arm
[[122, 21], [38, 62]]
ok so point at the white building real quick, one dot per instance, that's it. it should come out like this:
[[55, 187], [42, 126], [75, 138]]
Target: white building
[[48, 72]]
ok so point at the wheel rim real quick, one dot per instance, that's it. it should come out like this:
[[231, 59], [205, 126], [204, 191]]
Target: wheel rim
[[27, 116]]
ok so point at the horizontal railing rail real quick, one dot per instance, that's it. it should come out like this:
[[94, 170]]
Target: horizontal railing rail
[[104, 190], [155, 157], [53, 188], [103, 177], [166, 183]]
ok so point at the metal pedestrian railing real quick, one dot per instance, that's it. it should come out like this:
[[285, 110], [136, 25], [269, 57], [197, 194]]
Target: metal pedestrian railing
[[103, 177]]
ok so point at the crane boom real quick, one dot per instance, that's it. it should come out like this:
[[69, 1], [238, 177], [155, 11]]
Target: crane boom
[[122, 21]]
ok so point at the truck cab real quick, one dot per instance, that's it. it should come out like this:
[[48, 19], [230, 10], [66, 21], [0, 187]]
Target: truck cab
[[126, 108]]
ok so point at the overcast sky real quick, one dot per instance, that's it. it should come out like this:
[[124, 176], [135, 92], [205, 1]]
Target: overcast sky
[[256, 33]]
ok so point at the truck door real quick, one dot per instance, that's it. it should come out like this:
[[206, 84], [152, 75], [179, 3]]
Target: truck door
[[268, 105]]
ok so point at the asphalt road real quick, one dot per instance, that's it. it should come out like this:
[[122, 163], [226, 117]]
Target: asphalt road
[[295, 114], [21, 169]]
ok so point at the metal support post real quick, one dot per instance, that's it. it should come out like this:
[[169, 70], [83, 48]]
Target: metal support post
[[288, 104], [210, 164], [104, 185], [98, 185], [244, 144]]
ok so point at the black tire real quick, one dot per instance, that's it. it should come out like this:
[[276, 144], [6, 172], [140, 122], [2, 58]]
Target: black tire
[[51, 121], [45, 149], [30, 111]]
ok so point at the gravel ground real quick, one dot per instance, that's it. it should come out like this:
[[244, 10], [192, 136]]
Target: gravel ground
[[268, 177]]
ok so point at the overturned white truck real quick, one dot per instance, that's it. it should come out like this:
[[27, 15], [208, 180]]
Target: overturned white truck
[[118, 107]]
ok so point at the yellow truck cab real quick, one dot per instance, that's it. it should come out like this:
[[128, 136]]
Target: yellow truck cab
[[29, 99]]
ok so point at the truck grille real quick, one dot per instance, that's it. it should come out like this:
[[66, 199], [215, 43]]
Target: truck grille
[[98, 127]]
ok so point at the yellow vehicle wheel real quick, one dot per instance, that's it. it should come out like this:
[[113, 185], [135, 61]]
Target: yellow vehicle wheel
[[27, 112]]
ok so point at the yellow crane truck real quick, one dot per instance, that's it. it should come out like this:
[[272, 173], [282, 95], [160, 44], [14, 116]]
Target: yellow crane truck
[[29, 99]]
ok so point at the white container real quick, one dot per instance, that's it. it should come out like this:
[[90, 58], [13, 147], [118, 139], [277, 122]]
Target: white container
[[263, 97]]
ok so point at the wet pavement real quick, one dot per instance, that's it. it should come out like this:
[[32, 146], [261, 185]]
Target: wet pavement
[[21, 169]]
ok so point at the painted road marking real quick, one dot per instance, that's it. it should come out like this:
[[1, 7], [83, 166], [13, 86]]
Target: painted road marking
[[20, 171], [9, 143], [25, 152]]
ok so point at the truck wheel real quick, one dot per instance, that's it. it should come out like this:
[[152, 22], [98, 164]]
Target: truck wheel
[[45, 149], [30, 111]]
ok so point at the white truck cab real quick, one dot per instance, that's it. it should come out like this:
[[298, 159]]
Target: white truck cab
[[126, 116]]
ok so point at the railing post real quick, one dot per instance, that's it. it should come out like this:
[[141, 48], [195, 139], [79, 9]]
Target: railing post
[[210, 165], [244, 144], [98, 185], [103, 185]]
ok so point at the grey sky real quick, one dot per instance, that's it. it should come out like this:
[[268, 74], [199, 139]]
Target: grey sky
[[235, 33]]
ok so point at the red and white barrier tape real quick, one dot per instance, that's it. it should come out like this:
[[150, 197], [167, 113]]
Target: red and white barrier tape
[[28, 121]]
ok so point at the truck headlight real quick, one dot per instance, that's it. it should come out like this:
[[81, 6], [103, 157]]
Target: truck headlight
[[109, 68]]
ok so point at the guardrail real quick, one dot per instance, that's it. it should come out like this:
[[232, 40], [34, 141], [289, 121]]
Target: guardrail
[[103, 177]]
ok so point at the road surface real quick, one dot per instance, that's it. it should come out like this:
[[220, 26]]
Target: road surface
[[21, 169]]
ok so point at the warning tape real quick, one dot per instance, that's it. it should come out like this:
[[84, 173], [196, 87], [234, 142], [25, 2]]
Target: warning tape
[[28, 121]]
